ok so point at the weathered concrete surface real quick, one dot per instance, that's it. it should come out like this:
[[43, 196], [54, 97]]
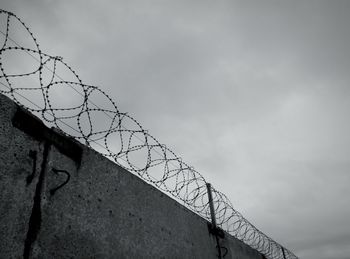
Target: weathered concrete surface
[[16, 194], [238, 250], [101, 211]]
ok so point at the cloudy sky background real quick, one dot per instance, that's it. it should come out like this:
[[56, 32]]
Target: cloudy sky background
[[253, 94]]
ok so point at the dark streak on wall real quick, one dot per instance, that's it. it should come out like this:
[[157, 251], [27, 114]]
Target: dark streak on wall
[[35, 217]]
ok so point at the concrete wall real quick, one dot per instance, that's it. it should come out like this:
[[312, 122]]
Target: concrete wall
[[60, 199]]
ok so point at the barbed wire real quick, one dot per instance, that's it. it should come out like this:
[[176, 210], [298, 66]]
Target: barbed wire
[[111, 132]]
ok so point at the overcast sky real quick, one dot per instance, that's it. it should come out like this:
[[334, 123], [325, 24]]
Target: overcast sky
[[254, 95]]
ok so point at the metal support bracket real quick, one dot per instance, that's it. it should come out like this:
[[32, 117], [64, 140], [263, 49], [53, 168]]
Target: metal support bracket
[[213, 228]]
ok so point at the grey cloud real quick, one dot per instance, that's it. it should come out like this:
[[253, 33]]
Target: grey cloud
[[253, 94]]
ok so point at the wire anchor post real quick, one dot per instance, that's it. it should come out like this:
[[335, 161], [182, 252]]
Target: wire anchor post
[[214, 227], [284, 255]]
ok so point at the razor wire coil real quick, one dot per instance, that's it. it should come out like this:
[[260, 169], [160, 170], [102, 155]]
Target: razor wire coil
[[122, 139]]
